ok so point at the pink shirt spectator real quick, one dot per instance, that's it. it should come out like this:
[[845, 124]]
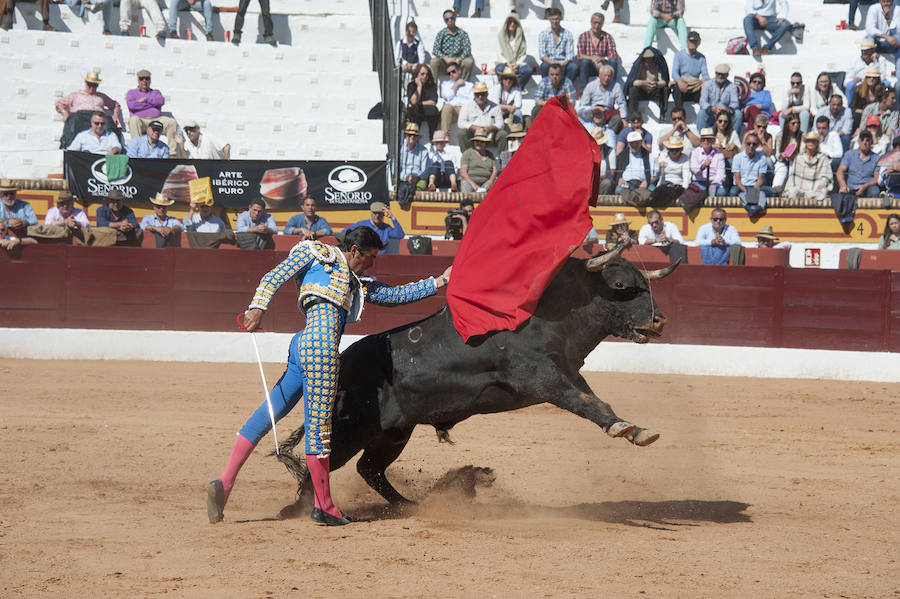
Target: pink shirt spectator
[[54, 217], [716, 167], [81, 100], [144, 104]]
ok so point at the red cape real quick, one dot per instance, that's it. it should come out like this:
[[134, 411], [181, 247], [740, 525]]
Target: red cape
[[533, 217]]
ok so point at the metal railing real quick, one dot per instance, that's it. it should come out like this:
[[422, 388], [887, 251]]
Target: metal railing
[[390, 80]]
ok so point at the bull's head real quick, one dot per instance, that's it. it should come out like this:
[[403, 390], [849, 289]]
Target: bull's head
[[635, 314]]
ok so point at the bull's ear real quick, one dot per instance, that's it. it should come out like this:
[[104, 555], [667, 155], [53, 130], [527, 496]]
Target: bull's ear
[[598, 263]]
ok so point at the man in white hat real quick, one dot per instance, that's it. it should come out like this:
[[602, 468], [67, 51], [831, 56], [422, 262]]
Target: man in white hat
[[197, 145], [97, 139], [508, 96], [604, 139], [766, 238], [620, 232], [442, 173], [717, 94], [674, 165], [82, 103], [708, 164], [636, 167], [166, 228], [867, 57], [455, 91], [481, 113]]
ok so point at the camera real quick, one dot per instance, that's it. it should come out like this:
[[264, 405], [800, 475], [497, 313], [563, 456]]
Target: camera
[[453, 223]]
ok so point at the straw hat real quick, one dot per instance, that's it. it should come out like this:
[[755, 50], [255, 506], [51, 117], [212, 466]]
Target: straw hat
[[600, 134], [675, 142], [160, 199], [412, 129], [439, 136], [516, 130], [867, 44], [619, 219], [873, 71], [767, 233], [508, 71], [93, 76], [707, 132], [812, 136], [7, 185], [481, 134], [480, 87]]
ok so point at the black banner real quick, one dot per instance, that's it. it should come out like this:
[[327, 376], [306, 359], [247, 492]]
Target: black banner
[[281, 183]]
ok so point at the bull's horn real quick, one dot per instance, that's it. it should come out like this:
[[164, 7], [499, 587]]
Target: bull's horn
[[599, 262], [655, 275]]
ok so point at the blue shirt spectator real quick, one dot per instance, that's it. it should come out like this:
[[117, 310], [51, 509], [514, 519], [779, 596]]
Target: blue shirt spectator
[[414, 162], [858, 169], [749, 167], [152, 220], [19, 209], [254, 216], [142, 147], [376, 223], [309, 220], [105, 216], [716, 94], [560, 50], [545, 90], [689, 65]]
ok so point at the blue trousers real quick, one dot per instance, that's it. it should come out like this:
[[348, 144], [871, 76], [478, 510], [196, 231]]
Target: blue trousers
[[751, 27], [312, 374], [204, 6], [570, 71]]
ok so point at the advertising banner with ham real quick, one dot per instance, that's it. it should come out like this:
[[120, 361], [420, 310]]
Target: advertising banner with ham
[[282, 184]]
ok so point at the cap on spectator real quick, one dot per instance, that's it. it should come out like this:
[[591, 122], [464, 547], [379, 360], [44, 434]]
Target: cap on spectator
[[867, 44], [619, 219], [723, 68], [156, 125], [143, 73], [634, 136], [378, 207], [439, 136], [481, 134], [767, 233], [115, 194], [872, 71], [161, 199], [64, 196], [648, 53], [812, 136], [674, 142], [873, 119], [516, 130], [707, 132], [480, 88], [508, 72], [412, 129], [93, 76], [864, 135], [600, 134], [7, 185], [693, 36], [190, 125]]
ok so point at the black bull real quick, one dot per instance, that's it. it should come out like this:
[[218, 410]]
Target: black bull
[[423, 373]]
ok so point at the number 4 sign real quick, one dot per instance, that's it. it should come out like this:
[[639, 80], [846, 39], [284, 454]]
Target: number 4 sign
[[812, 257]]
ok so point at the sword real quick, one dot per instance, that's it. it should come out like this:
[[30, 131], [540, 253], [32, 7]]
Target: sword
[[262, 375]]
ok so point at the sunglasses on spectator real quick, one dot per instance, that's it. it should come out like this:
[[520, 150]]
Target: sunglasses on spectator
[[796, 82], [98, 122], [451, 71], [480, 93], [718, 218], [751, 144], [143, 78], [448, 19]]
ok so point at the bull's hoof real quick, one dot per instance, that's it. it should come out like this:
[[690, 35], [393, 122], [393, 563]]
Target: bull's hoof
[[322, 517], [619, 429], [641, 437], [215, 501]]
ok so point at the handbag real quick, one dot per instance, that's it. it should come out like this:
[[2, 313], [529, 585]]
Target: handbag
[[695, 194]]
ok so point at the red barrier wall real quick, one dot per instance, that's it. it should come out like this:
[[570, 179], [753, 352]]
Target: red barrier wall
[[187, 289]]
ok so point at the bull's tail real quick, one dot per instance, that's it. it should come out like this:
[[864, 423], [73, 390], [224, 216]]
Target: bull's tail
[[296, 466]]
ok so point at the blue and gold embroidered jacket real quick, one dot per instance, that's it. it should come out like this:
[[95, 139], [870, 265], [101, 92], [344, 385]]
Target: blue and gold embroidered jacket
[[322, 271]]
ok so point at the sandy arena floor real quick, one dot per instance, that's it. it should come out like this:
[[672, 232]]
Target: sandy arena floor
[[756, 489]]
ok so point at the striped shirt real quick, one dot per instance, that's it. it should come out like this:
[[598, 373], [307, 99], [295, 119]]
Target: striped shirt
[[605, 48], [456, 44], [557, 51]]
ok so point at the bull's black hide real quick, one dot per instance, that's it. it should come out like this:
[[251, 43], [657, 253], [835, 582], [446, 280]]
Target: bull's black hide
[[423, 373]]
